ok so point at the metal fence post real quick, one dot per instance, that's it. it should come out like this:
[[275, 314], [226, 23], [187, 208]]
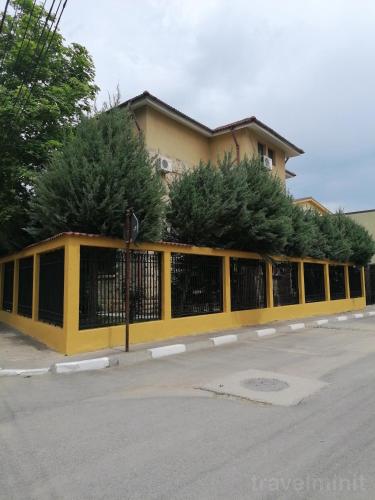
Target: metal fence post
[[166, 289], [347, 284], [226, 284], [301, 283], [269, 283], [327, 286]]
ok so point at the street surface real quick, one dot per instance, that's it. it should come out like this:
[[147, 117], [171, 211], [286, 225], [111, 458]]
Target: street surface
[[148, 432]]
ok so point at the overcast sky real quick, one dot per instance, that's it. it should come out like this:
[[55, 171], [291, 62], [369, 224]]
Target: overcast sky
[[304, 67]]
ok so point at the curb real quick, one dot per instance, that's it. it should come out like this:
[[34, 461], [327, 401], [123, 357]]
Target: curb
[[170, 350]]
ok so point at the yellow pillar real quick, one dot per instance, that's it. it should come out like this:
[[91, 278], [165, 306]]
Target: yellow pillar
[[71, 290], [363, 281], [269, 284], [326, 282], [15, 286], [301, 282], [166, 291], [226, 284], [347, 285], [35, 302]]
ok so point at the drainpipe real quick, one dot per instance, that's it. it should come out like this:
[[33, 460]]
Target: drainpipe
[[135, 120], [237, 145]]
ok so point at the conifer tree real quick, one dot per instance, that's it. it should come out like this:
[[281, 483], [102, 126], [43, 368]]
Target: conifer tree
[[101, 170]]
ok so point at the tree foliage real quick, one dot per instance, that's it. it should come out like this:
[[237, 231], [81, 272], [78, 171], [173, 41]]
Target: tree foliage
[[230, 205], [242, 206], [41, 95], [101, 170]]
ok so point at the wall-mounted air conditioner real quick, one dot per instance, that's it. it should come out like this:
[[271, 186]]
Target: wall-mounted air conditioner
[[164, 165], [267, 162]]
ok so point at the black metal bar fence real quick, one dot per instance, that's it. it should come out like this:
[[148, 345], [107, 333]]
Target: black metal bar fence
[[370, 284], [102, 287], [197, 284], [355, 283], [337, 282], [285, 283], [25, 286], [248, 284], [8, 278], [314, 282], [51, 287]]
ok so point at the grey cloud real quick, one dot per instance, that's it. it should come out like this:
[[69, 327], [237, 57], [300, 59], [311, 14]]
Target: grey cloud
[[305, 68]]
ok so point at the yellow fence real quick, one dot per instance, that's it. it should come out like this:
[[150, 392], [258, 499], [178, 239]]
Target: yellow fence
[[69, 339]]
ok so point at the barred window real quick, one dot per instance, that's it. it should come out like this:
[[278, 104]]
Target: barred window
[[248, 284], [196, 284], [285, 283], [8, 277], [337, 282], [25, 286], [102, 287], [51, 287], [314, 282], [355, 283]]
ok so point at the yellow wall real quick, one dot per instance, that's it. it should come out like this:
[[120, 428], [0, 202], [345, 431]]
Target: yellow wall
[[186, 147], [367, 219], [70, 340]]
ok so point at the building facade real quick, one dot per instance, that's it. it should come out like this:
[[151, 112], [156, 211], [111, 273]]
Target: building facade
[[180, 142]]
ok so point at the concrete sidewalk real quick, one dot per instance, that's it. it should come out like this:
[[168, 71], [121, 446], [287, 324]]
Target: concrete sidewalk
[[18, 351]]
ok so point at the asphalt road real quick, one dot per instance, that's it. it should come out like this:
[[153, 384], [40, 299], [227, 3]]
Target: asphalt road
[[146, 432]]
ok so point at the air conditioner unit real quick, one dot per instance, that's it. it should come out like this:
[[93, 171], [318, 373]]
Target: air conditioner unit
[[164, 164], [267, 162]]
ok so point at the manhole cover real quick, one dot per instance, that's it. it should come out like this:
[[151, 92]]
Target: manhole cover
[[265, 384]]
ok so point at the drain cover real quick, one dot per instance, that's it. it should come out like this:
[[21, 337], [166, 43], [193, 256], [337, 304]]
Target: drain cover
[[265, 384]]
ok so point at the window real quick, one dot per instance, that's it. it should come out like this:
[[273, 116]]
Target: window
[[271, 154], [261, 149]]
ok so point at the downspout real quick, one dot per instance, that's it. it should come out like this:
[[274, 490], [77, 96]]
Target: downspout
[[135, 120], [237, 145]]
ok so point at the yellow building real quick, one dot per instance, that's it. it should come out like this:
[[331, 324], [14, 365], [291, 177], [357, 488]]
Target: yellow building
[[181, 142], [367, 219], [310, 203]]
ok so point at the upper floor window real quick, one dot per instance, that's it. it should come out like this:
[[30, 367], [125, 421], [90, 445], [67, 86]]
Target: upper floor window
[[271, 155], [261, 149]]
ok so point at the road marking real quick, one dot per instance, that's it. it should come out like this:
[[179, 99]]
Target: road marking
[[167, 350], [266, 331], [342, 318], [8, 372], [81, 366], [297, 326], [224, 339], [321, 321], [371, 313], [358, 315]]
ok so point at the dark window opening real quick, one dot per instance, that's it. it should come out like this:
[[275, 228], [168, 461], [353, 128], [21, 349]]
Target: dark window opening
[[8, 276], [314, 282], [248, 284], [285, 283], [355, 283], [25, 286], [337, 282], [196, 285], [51, 287]]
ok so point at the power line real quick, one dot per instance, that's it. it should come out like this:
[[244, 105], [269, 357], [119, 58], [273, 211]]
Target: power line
[[27, 45], [40, 51], [4, 14], [8, 44], [44, 53]]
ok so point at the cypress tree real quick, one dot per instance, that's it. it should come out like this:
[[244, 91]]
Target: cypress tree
[[101, 170]]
